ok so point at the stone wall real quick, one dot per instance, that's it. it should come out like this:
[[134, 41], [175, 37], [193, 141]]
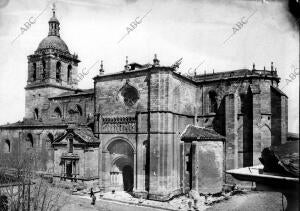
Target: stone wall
[[207, 166], [18, 139]]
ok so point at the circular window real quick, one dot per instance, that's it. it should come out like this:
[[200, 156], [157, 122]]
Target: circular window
[[130, 95]]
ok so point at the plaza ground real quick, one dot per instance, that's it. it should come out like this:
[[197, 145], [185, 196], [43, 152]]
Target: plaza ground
[[254, 200]]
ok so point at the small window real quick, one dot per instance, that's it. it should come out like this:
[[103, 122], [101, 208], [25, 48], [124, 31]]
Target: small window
[[70, 145], [44, 70], [69, 73], [57, 112], [34, 72], [6, 147], [58, 71], [36, 114], [29, 141]]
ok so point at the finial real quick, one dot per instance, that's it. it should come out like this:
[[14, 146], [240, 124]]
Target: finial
[[53, 9], [101, 68], [126, 64], [213, 71], [272, 66], [155, 60], [253, 66]]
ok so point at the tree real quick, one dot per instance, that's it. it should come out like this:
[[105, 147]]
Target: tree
[[22, 189]]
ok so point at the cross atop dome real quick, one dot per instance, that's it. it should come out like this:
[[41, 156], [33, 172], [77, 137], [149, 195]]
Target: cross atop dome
[[53, 23], [53, 9]]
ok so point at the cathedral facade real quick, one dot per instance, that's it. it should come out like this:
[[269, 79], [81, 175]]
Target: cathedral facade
[[126, 133]]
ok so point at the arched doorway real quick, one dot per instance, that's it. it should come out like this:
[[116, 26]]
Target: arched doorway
[[121, 172], [127, 172]]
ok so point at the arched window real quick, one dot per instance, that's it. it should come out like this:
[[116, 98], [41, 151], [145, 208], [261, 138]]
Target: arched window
[[29, 140], [34, 71], [44, 70], [213, 105], [57, 112], [6, 147], [36, 114], [78, 108], [69, 73], [58, 71]]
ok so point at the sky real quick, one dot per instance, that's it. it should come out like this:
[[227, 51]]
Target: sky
[[194, 30]]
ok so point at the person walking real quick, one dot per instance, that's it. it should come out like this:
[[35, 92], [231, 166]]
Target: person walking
[[92, 195]]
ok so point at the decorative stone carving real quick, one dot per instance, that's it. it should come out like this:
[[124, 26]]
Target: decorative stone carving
[[118, 124]]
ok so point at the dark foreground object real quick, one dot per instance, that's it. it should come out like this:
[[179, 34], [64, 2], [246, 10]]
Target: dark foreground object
[[280, 172]]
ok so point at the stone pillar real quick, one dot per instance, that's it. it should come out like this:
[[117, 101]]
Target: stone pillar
[[284, 119], [195, 165], [257, 142], [231, 109], [134, 170], [106, 170]]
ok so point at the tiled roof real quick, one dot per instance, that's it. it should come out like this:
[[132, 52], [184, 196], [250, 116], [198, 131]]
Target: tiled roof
[[192, 132], [86, 134], [83, 132], [31, 123]]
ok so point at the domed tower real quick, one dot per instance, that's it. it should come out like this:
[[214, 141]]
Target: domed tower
[[51, 71]]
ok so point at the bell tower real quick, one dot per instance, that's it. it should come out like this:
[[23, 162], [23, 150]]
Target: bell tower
[[52, 69]]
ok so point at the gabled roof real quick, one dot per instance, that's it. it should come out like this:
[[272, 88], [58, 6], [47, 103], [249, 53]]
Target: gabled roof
[[192, 133], [83, 134]]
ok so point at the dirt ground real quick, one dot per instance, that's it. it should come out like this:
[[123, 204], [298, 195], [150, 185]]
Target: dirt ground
[[256, 200]]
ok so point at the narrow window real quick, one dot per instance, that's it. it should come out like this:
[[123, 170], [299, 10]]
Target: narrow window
[[69, 73], [6, 147], [34, 72], [36, 114], [29, 140], [44, 70], [70, 145], [213, 105], [58, 71]]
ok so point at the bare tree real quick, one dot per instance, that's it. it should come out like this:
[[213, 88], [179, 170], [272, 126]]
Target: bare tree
[[22, 189]]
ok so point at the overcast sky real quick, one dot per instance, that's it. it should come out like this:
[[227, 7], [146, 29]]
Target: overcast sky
[[192, 29]]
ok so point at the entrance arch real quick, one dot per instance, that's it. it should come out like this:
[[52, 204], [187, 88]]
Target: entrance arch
[[122, 161]]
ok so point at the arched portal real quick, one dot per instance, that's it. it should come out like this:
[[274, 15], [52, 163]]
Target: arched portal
[[121, 171]]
